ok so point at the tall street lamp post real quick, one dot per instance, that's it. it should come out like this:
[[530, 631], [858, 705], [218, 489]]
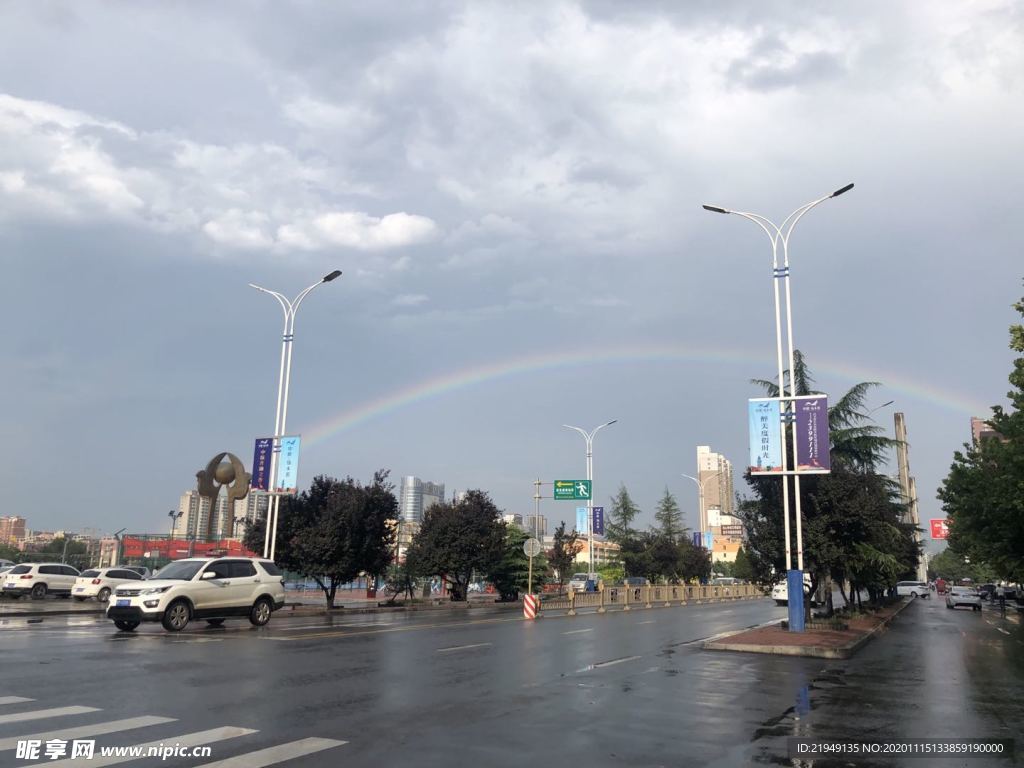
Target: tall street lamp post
[[589, 437], [281, 414], [701, 521], [780, 235], [174, 515]]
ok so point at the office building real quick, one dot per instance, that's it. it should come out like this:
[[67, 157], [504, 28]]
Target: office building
[[980, 430], [537, 525], [12, 530], [416, 497], [516, 520]]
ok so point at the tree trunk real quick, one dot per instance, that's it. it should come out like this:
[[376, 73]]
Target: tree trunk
[[842, 591]]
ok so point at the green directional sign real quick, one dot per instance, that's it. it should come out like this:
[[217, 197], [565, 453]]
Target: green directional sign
[[572, 490]]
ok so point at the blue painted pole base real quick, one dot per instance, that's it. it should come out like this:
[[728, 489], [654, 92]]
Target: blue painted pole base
[[795, 599]]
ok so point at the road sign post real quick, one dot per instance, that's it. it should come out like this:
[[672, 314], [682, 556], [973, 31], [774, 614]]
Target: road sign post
[[531, 548]]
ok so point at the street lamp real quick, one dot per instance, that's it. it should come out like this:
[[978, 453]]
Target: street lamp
[[878, 408], [781, 234], [589, 437], [174, 515], [283, 378], [700, 490]]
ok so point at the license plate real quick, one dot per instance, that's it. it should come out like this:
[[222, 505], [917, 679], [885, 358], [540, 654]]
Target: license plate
[[123, 603], [79, 589], [9, 585]]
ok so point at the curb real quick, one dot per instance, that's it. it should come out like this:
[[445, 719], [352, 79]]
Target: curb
[[810, 651]]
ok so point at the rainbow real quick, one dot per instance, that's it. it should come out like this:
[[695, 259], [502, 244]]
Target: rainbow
[[447, 383]]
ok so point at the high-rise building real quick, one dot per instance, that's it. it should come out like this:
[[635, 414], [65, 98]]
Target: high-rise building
[[195, 516], [417, 496], [714, 473], [12, 530], [513, 519], [980, 430], [537, 525]]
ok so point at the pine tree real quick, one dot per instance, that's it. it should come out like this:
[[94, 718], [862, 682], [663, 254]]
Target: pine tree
[[669, 518], [621, 515]]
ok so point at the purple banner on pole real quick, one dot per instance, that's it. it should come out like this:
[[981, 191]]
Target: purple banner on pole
[[599, 520], [812, 441], [261, 464], [698, 539]]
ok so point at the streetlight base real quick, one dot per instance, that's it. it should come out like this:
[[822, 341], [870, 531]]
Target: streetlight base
[[795, 599]]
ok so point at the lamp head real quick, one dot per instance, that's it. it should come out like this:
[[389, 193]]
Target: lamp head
[[334, 274], [715, 208], [838, 192]]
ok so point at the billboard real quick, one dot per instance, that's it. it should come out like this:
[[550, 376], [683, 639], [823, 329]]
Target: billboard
[[261, 464], [765, 436], [812, 445], [288, 466], [940, 529], [599, 521], [735, 531], [698, 539]]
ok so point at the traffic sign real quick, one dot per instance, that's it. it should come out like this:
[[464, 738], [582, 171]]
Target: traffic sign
[[569, 490], [531, 547]]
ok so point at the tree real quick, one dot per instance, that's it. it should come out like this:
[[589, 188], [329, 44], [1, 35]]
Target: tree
[[952, 566], [458, 538], [334, 531], [621, 515], [510, 575], [563, 553], [983, 495], [10, 553], [669, 518], [852, 517], [741, 568]]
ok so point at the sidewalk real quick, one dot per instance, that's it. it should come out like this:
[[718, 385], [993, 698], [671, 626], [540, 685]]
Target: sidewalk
[[816, 643]]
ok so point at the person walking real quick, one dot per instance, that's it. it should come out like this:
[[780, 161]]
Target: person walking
[[1001, 597]]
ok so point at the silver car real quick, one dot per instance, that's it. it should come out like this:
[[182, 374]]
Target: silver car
[[957, 596]]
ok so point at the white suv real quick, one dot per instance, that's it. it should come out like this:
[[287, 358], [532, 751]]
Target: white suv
[[207, 588], [39, 580], [100, 582]]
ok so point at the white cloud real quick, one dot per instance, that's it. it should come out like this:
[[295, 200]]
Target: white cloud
[[353, 229], [409, 300]]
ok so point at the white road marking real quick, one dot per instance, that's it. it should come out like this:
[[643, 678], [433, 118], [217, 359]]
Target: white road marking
[[462, 647], [578, 631], [200, 738], [13, 700], [602, 664], [278, 754], [42, 714], [652, 621], [88, 731], [1002, 630]]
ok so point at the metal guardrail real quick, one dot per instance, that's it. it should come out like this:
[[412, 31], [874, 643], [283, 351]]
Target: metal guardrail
[[626, 597]]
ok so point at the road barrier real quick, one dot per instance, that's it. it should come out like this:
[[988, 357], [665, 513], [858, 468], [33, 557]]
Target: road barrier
[[627, 598]]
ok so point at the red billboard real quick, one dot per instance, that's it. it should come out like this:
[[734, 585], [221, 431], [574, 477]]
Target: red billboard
[[138, 547], [940, 529]]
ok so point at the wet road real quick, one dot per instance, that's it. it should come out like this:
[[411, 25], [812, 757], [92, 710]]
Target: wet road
[[437, 689]]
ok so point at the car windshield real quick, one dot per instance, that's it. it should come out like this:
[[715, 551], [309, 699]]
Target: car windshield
[[183, 570]]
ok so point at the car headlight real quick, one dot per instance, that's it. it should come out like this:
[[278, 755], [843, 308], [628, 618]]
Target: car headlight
[[154, 590]]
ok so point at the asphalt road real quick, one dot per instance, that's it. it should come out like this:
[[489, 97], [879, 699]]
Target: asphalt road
[[446, 689]]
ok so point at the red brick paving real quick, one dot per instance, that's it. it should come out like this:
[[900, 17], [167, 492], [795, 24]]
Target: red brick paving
[[825, 638]]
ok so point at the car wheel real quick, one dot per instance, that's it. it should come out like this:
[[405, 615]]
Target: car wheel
[[104, 595], [38, 591], [176, 617], [260, 613], [125, 626], [215, 622]]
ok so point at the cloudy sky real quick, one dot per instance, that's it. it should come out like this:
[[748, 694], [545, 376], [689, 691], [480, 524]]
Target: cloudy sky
[[513, 193]]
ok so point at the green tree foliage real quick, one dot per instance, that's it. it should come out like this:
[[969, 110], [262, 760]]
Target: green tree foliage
[[334, 531], [458, 538], [953, 567], [10, 553], [669, 518], [63, 547], [562, 554], [741, 568], [621, 515], [983, 495], [852, 517], [510, 574]]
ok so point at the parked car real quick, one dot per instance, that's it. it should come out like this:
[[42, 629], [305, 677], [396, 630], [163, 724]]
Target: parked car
[[986, 591], [724, 581], [578, 581], [207, 588], [635, 581], [913, 589], [100, 582], [39, 580], [142, 570], [957, 596], [6, 565], [780, 592]]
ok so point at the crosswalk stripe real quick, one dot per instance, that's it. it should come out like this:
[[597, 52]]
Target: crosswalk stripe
[[200, 738], [278, 754], [13, 700], [88, 731], [40, 714]]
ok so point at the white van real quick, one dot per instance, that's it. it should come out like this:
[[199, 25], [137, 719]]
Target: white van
[[913, 589], [578, 582]]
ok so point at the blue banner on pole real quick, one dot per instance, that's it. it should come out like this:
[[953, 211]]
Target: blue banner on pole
[[598, 521], [261, 464], [709, 540], [581, 520], [288, 466], [765, 436]]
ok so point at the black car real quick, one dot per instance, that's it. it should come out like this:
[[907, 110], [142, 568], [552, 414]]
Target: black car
[[985, 591]]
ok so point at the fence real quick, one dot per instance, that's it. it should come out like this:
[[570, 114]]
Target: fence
[[628, 598]]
